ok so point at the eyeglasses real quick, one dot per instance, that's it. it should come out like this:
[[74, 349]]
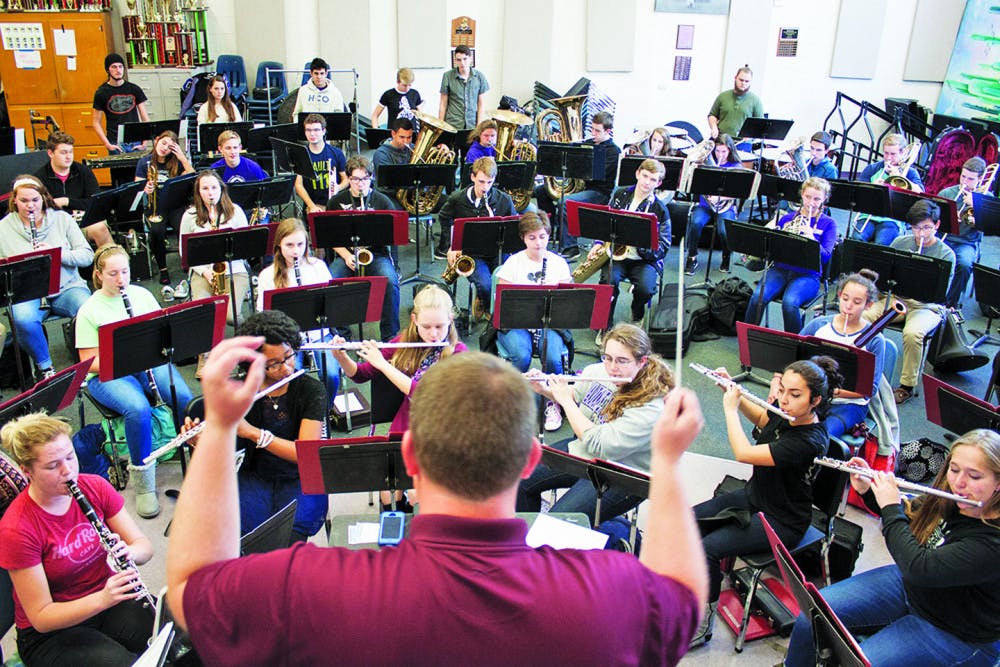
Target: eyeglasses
[[619, 361], [923, 228], [360, 179], [278, 363]]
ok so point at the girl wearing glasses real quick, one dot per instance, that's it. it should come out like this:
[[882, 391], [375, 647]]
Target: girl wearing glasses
[[612, 422], [129, 395]]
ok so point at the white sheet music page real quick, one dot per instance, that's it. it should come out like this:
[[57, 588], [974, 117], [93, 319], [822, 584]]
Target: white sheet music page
[[560, 534]]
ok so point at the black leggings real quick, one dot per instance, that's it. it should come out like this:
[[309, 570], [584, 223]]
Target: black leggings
[[113, 637]]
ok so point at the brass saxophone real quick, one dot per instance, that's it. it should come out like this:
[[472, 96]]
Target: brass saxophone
[[463, 266], [220, 277], [153, 176], [590, 266]]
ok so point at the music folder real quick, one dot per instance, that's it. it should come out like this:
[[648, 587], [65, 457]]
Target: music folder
[[352, 465], [600, 221], [35, 275], [955, 410], [481, 237], [772, 350], [595, 299]]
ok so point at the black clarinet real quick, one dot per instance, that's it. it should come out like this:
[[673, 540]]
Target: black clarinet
[[298, 272], [33, 231], [304, 335], [157, 398], [541, 274], [119, 563]]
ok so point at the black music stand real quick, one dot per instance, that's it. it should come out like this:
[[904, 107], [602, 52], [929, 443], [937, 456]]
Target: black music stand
[[293, 157], [548, 307], [342, 302], [958, 411], [772, 350], [910, 275], [511, 176], [157, 338], [352, 465], [604, 475], [565, 161], [27, 277], [629, 164], [357, 229], [482, 237], [774, 245], [274, 191], [51, 394], [864, 198], [415, 177], [338, 125], [258, 140], [900, 202], [718, 182], [224, 245], [613, 226], [773, 129], [148, 130], [375, 137], [275, 533], [208, 134], [114, 205], [986, 209], [174, 194], [986, 282], [781, 189]]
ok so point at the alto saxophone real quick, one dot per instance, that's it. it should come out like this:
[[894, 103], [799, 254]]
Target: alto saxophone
[[463, 266], [117, 563], [220, 279]]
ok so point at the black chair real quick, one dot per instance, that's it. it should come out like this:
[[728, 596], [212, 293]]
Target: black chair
[[828, 488]]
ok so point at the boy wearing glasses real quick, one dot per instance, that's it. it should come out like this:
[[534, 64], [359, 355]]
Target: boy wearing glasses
[[327, 162], [923, 218], [359, 196]]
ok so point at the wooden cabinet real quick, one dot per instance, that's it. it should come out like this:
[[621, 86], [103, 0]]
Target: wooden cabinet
[[63, 86]]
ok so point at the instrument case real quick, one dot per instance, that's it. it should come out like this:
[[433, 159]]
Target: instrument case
[[360, 418], [663, 324]]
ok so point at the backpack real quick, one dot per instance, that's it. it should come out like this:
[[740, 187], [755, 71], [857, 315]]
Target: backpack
[[728, 303], [194, 91]]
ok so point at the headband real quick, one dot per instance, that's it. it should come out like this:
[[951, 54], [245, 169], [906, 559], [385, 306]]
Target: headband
[[25, 181]]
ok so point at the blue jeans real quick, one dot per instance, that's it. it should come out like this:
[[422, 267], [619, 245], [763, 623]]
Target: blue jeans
[[965, 254], [730, 539], [482, 277], [381, 266], [567, 240], [130, 396], [799, 289], [261, 497], [873, 603], [700, 216], [843, 416], [882, 232], [28, 321], [516, 347], [332, 379], [643, 277], [580, 496]]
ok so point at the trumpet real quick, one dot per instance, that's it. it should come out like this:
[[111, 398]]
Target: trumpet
[[32, 231], [198, 428], [356, 345], [545, 377], [726, 382], [867, 473], [463, 266], [153, 176]]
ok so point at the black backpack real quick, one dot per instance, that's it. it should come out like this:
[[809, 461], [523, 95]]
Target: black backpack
[[728, 304]]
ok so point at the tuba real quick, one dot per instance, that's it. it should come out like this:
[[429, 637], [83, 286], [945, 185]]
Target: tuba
[[564, 124], [426, 151], [463, 266], [510, 149], [909, 156]]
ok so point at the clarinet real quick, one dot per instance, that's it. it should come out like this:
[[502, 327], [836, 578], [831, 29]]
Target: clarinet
[[118, 563], [541, 274], [304, 335], [157, 398], [298, 272], [33, 231]]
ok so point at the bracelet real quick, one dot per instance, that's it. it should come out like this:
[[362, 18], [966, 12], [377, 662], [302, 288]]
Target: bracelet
[[264, 439]]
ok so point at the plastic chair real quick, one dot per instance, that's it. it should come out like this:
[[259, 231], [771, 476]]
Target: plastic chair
[[257, 104], [231, 66], [692, 131], [828, 489]]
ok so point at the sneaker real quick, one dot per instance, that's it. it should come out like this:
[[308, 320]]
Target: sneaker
[[690, 266], [724, 267], [599, 338], [440, 254], [553, 416], [167, 293], [46, 373], [570, 253], [182, 290]]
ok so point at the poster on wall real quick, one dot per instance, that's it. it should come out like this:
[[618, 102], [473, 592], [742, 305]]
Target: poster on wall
[[692, 6], [971, 89]]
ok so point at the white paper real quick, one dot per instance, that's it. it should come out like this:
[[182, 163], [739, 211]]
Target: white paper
[[65, 42], [352, 401], [362, 533], [71, 63], [560, 534], [28, 59]]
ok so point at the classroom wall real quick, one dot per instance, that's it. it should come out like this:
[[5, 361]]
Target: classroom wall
[[519, 41]]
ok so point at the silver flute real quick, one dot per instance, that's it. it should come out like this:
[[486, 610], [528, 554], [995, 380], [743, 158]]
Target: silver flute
[[356, 345], [198, 428], [576, 378], [868, 473], [726, 382], [119, 563]]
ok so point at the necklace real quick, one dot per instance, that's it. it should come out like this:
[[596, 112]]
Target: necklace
[[273, 401]]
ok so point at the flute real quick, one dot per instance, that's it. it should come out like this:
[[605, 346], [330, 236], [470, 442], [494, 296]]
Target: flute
[[198, 428], [117, 563], [575, 378], [726, 382], [867, 473], [356, 345]]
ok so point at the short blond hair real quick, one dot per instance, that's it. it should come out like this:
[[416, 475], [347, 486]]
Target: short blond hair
[[405, 75]]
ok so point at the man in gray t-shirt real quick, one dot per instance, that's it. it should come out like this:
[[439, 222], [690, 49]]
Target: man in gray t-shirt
[[462, 90]]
